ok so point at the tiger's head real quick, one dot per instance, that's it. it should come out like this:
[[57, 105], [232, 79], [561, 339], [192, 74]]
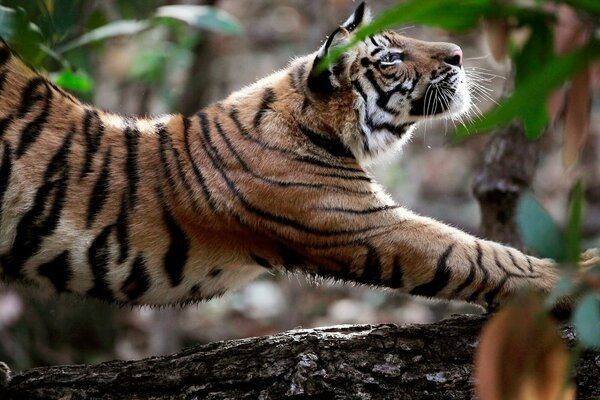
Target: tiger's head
[[394, 83]]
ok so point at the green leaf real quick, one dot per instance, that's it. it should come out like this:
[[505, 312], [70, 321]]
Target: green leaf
[[535, 120], [202, 17], [538, 229], [538, 50], [535, 90], [574, 224], [78, 82], [23, 36], [116, 28], [7, 22], [591, 6], [586, 320], [150, 65], [65, 15]]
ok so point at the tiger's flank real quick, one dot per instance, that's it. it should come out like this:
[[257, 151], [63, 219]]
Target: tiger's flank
[[178, 209]]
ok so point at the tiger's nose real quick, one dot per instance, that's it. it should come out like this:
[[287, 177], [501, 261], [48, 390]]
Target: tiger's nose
[[454, 57]]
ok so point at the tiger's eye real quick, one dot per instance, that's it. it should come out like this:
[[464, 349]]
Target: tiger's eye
[[391, 58]]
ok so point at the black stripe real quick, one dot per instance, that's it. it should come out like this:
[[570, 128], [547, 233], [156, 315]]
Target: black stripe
[[177, 253], [132, 139], [514, 262], [490, 296], [440, 279], [305, 103], [276, 182], [485, 278], [33, 129], [123, 230], [376, 51], [357, 17], [529, 264], [4, 123], [58, 271], [197, 171], [263, 262], [266, 215], [268, 97], [4, 54], [215, 272], [2, 80], [331, 145], [42, 218], [358, 87], [29, 97], [93, 138], [290, 259], [164, 162], [138, 280], [383, 96], [100, 191], [396, 130], [347, 177], [166, 143], [233, 114], [468, 280], [5, 173], [98, 258], [59, 161], [397, 279], [372, 269], [297, 77]]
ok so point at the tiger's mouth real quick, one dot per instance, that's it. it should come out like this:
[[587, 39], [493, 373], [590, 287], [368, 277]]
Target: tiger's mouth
[[447, 97]]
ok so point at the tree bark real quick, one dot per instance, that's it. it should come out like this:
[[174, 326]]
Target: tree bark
[[508, 168], [345, 362]]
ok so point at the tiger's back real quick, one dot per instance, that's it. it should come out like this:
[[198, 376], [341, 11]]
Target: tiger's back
[[178, 209]]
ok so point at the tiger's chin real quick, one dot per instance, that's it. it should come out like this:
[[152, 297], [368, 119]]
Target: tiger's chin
[[441, 103]]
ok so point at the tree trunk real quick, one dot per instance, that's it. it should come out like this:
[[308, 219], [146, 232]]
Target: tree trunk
[[345, 362], [508, 168]]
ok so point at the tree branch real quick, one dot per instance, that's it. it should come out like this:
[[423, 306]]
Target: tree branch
[[359, 362]]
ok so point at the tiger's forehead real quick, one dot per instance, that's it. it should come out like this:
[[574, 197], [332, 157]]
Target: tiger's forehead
[[394, 40], [387, 39]]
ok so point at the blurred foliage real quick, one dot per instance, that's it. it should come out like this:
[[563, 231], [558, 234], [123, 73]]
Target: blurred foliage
[[49, 35]]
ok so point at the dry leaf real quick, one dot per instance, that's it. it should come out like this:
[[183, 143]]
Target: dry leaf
[[521, 356], [496, 31], [577, 117], [569, 33]]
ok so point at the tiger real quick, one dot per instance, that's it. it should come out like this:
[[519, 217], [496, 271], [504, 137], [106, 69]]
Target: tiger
[[177, 209]]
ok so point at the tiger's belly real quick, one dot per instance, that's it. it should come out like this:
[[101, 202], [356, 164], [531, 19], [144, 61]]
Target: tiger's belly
[[143, 263]]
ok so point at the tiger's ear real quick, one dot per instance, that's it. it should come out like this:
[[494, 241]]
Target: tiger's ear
[[328, 80], [362, 15]]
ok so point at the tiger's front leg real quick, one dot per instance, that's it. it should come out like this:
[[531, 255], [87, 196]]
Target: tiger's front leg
[[421, 256]]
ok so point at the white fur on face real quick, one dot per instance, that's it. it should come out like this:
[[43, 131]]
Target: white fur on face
[[385, 128]]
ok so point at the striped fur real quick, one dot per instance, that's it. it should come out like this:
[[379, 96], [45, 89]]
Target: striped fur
[[179, 209]]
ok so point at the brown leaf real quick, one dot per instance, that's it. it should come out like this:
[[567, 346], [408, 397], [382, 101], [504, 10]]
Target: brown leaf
[[569, 32], [521, 356], [496, 31], [577, 117]]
